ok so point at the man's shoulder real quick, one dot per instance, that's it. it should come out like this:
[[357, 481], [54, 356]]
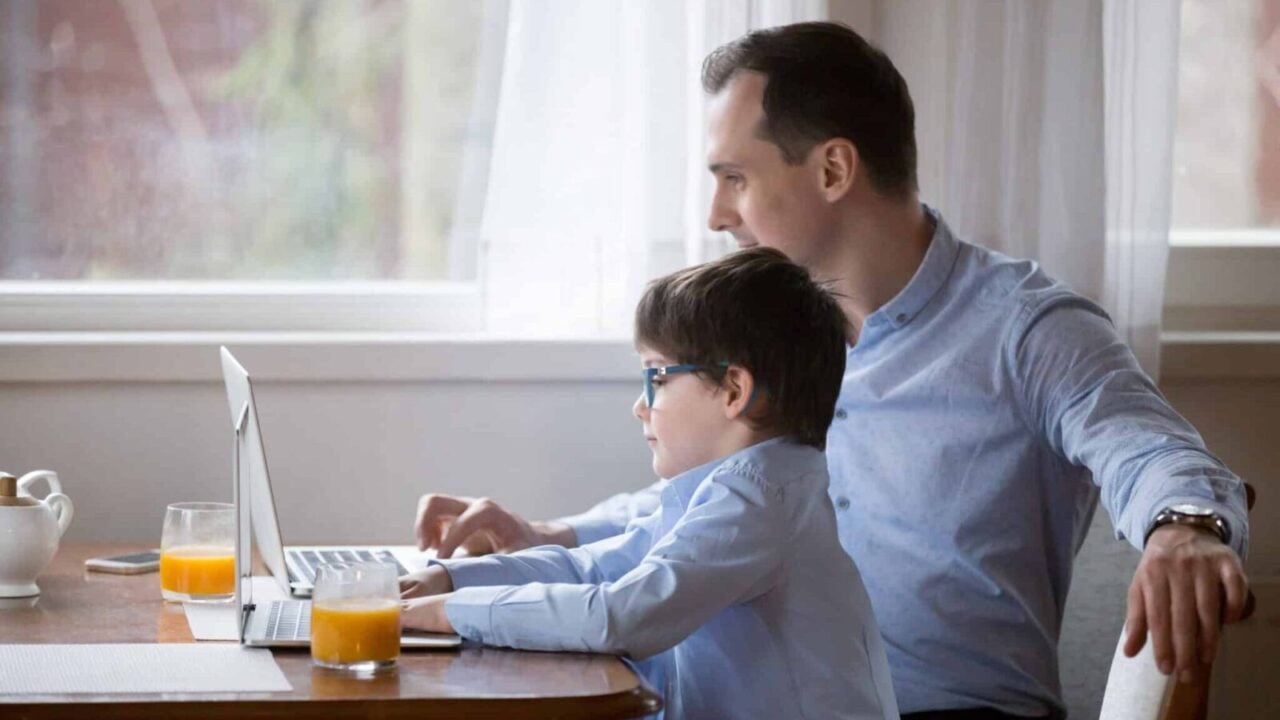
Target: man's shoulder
[[1019, 289]]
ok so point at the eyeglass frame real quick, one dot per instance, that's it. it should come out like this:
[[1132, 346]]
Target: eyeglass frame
[[652, 372]]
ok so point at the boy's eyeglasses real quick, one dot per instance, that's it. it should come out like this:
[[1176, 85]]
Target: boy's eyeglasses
[[651, 373]]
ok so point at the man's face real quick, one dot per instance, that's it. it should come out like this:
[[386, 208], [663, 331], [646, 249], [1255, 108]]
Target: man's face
[[759, 198]]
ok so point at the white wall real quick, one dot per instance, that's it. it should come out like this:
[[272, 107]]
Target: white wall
[[348, 459]]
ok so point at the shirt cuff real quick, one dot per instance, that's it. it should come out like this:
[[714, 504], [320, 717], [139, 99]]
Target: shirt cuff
[[474, 572], [589, 527], [470, 611]]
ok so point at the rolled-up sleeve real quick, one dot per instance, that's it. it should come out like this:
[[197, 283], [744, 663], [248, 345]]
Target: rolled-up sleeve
[[1081, 385]]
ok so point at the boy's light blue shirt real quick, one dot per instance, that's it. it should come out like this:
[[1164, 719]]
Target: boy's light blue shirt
[[734, 595], [977, 407]]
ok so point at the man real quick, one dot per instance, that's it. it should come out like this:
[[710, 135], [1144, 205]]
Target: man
[[980, 398]]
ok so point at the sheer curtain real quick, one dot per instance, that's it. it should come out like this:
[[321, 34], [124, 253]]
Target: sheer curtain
[[1046, 131], [597, 178]]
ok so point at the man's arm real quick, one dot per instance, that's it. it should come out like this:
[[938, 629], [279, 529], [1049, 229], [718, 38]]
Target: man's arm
[[610, 517], [1080, 385], [689, 576], [482, 526]]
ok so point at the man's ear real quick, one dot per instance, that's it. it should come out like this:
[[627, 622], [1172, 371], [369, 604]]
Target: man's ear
[[838, 163], [738, 386]]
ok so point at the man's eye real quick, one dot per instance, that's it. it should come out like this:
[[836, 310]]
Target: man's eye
[[735, 180]]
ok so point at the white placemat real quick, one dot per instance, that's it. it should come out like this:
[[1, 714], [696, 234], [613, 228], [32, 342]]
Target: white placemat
[[138, 668]]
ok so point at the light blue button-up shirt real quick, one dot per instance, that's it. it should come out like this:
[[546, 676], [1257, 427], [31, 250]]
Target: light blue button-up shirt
[[983, 409], [734, 594]]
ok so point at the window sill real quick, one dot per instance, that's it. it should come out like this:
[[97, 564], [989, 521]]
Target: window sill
[[1204, 354], [426, 357], [154, 357]]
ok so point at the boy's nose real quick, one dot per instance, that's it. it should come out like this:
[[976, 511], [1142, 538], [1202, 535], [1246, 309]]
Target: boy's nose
[[639, 409]]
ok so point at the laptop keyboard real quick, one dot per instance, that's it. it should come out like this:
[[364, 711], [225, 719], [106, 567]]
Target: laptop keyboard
[[309, 560], [289, 620]]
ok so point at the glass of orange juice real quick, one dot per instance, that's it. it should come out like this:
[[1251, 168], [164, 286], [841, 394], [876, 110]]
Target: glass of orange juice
[[355, 617], [197, 552]]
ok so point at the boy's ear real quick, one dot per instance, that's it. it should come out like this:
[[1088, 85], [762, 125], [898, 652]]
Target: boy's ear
[[738, 386]]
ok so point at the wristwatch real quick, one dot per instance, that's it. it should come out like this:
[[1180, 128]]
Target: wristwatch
[[1192, 515]]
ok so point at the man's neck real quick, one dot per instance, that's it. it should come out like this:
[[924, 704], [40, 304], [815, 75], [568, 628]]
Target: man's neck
[[881, 245]]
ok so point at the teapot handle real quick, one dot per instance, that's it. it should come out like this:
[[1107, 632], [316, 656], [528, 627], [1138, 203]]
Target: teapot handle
[[26, 481], [62, 508]]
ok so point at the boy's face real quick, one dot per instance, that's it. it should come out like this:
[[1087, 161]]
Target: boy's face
[[687, 425], [760, 199]]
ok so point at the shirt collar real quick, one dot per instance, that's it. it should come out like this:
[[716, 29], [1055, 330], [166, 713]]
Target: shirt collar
[[933, 273], [684, 484]]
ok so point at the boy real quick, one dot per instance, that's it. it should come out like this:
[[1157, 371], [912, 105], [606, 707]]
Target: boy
[[737, 586]]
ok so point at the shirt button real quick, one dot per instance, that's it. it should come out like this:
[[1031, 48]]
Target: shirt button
[[841, 414], [902, 317], [842, 503]]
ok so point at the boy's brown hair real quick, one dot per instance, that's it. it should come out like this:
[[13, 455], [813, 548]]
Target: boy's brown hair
[[757, 309]]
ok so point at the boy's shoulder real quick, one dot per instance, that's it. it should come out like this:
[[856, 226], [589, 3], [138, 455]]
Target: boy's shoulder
[[771, 467]]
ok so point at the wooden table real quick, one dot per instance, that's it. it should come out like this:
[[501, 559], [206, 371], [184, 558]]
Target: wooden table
[[76, 606]]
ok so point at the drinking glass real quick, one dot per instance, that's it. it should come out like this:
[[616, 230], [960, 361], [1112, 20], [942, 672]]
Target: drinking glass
[[197, 552], [355, 617]]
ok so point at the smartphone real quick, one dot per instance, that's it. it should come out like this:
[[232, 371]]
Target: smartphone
[[131, 564]]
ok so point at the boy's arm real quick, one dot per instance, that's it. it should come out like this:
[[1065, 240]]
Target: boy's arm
[[1082, 387], [721, 552]]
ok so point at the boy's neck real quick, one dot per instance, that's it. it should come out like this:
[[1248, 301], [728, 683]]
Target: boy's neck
[[741, 437]]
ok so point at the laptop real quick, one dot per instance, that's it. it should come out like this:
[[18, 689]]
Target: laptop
[[285, 622], [294, 566]]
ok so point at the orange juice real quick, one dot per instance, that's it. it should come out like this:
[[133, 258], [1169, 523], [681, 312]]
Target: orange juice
[[355, 630], [198, 570]]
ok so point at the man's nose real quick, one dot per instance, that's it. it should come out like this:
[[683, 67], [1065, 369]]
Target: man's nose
[[721, 218]]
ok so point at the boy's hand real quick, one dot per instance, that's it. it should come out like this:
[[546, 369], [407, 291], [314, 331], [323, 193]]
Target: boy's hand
[[433, 580], [480, 526], [1187, 584], [426, 614]]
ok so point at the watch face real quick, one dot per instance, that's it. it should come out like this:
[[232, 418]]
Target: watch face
[[1191, 510]]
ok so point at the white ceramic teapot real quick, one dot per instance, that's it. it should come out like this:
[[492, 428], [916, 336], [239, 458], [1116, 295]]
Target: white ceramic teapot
[[29, 530]]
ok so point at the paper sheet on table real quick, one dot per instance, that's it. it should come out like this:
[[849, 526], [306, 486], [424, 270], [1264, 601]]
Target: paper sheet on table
[[138, 668], [217, 621]]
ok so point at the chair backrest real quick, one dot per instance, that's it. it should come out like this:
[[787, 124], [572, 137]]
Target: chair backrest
[[1136, 689]]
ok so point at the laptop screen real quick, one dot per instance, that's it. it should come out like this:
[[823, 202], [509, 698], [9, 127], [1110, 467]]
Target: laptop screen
[[255, 502]]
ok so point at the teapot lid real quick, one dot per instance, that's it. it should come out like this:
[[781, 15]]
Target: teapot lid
[[9, 496]]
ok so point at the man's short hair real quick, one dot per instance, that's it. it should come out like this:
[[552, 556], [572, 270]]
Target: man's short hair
[[757, 309], [823, 81]]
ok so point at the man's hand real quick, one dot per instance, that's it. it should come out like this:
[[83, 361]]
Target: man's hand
[[425, 613], [1178, 595], [480, 527], [433, 580]]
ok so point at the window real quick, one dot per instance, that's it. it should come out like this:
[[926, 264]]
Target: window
[[244, 163], [1225, 233]]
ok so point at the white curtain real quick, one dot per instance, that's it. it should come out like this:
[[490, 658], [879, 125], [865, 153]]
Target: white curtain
[[1045, 131], [597, 178], [1142, 91]]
